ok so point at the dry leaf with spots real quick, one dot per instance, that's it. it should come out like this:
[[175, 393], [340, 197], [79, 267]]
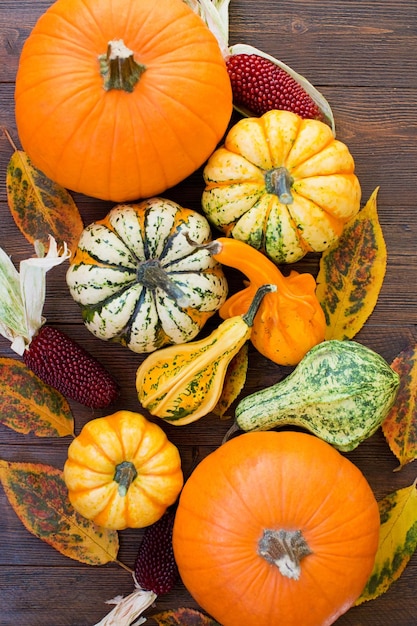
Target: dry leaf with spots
[[28, 405], [38, 495], [351, 274], [39, 206], [397, 541], [183, 617], [233, 382], [400, 425]]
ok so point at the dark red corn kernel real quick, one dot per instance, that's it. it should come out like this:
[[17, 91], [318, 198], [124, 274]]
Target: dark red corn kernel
[[155, 566], [259, 85], [63, 364]]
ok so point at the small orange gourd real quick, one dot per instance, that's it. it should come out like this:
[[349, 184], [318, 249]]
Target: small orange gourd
[[276, 529], [122, 471], [121, 99]]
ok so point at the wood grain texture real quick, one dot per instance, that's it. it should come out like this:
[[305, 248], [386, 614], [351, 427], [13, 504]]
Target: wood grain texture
[[361, 54]]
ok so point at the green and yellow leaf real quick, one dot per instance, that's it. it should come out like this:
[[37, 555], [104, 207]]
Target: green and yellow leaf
[[397, 541], [38, 495], [39, 206], [400, 425], [183, 617], [233, 382], [351, 274], [28, 405]]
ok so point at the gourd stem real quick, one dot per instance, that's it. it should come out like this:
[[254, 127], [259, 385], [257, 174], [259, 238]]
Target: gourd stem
[[285, 549], [124, 475], [119, 68], [153, 276], [249, 316], [279, 181]]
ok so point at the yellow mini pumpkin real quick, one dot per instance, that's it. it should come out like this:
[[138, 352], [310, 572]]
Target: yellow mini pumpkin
[[122, 471], [283, 184]]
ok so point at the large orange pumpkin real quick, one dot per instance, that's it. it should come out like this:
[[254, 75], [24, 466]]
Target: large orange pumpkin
[[121, 99], [276, 529]]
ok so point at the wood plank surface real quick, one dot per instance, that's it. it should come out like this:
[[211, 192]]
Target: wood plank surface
[[362, 55]]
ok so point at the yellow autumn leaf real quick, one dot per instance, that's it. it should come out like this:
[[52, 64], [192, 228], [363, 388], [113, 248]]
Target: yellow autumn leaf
[[28, 405], [233, 383], [39, 497], [397, 541], [351, 274], [39, 206]]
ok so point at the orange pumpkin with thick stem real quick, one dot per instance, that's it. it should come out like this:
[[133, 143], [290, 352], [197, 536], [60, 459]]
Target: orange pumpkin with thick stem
[[121, 99], [276, 529]]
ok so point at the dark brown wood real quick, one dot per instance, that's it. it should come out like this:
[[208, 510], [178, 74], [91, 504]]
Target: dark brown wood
[[361, 54]]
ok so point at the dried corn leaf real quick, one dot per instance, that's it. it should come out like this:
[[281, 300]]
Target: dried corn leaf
[[183, 617], [400, 425], [397, 541], [351, 274], [38, 495], [233, 383], [39, 206], [28, 405]]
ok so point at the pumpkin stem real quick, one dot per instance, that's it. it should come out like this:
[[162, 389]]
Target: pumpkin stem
[[285, 549], [118, 67], [249, 316], [153, 276], [124, 475], [279, 181]]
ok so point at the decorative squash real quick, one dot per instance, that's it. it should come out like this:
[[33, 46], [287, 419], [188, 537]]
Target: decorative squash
[[276, 529], [341, 391], [183, 383], [290, 320], [140, 280], [121, 99], [282, 184], [122, 471]]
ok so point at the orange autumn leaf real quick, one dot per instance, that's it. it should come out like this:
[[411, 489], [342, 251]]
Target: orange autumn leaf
[[38, 495], [39, 206], [400, 425], [351, 274], [28, 405]]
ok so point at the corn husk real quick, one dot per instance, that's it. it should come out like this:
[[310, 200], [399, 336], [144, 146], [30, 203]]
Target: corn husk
[[23, 294]]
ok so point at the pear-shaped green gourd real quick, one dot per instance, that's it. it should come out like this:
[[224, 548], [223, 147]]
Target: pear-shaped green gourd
[[183, 382], [341, 391]]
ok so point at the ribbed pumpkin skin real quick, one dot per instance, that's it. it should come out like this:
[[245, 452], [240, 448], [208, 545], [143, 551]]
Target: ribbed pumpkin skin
[[260, 481], [116, 145], [240, 197], [97, 453], [117, 304]]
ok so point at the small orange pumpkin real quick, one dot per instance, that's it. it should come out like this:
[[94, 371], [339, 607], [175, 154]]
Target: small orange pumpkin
[[122, 471], [276, 529], [121, 99]]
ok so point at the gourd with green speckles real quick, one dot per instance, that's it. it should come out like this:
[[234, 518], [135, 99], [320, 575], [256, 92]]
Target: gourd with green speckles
[[282, 184], [140, 279], [183, 383], [341, 391]]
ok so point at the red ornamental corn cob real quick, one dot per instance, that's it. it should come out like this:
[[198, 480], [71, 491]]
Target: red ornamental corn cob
[[155, 566], [63, 364], [259, 85]]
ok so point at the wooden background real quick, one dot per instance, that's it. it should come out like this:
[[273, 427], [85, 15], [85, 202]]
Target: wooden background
[[362, 55]]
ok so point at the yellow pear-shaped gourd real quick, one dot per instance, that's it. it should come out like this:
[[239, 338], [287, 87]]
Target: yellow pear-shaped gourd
[[182, 383]]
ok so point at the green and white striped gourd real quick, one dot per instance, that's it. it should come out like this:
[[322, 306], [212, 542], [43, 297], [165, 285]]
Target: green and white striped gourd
[[139, 279]]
